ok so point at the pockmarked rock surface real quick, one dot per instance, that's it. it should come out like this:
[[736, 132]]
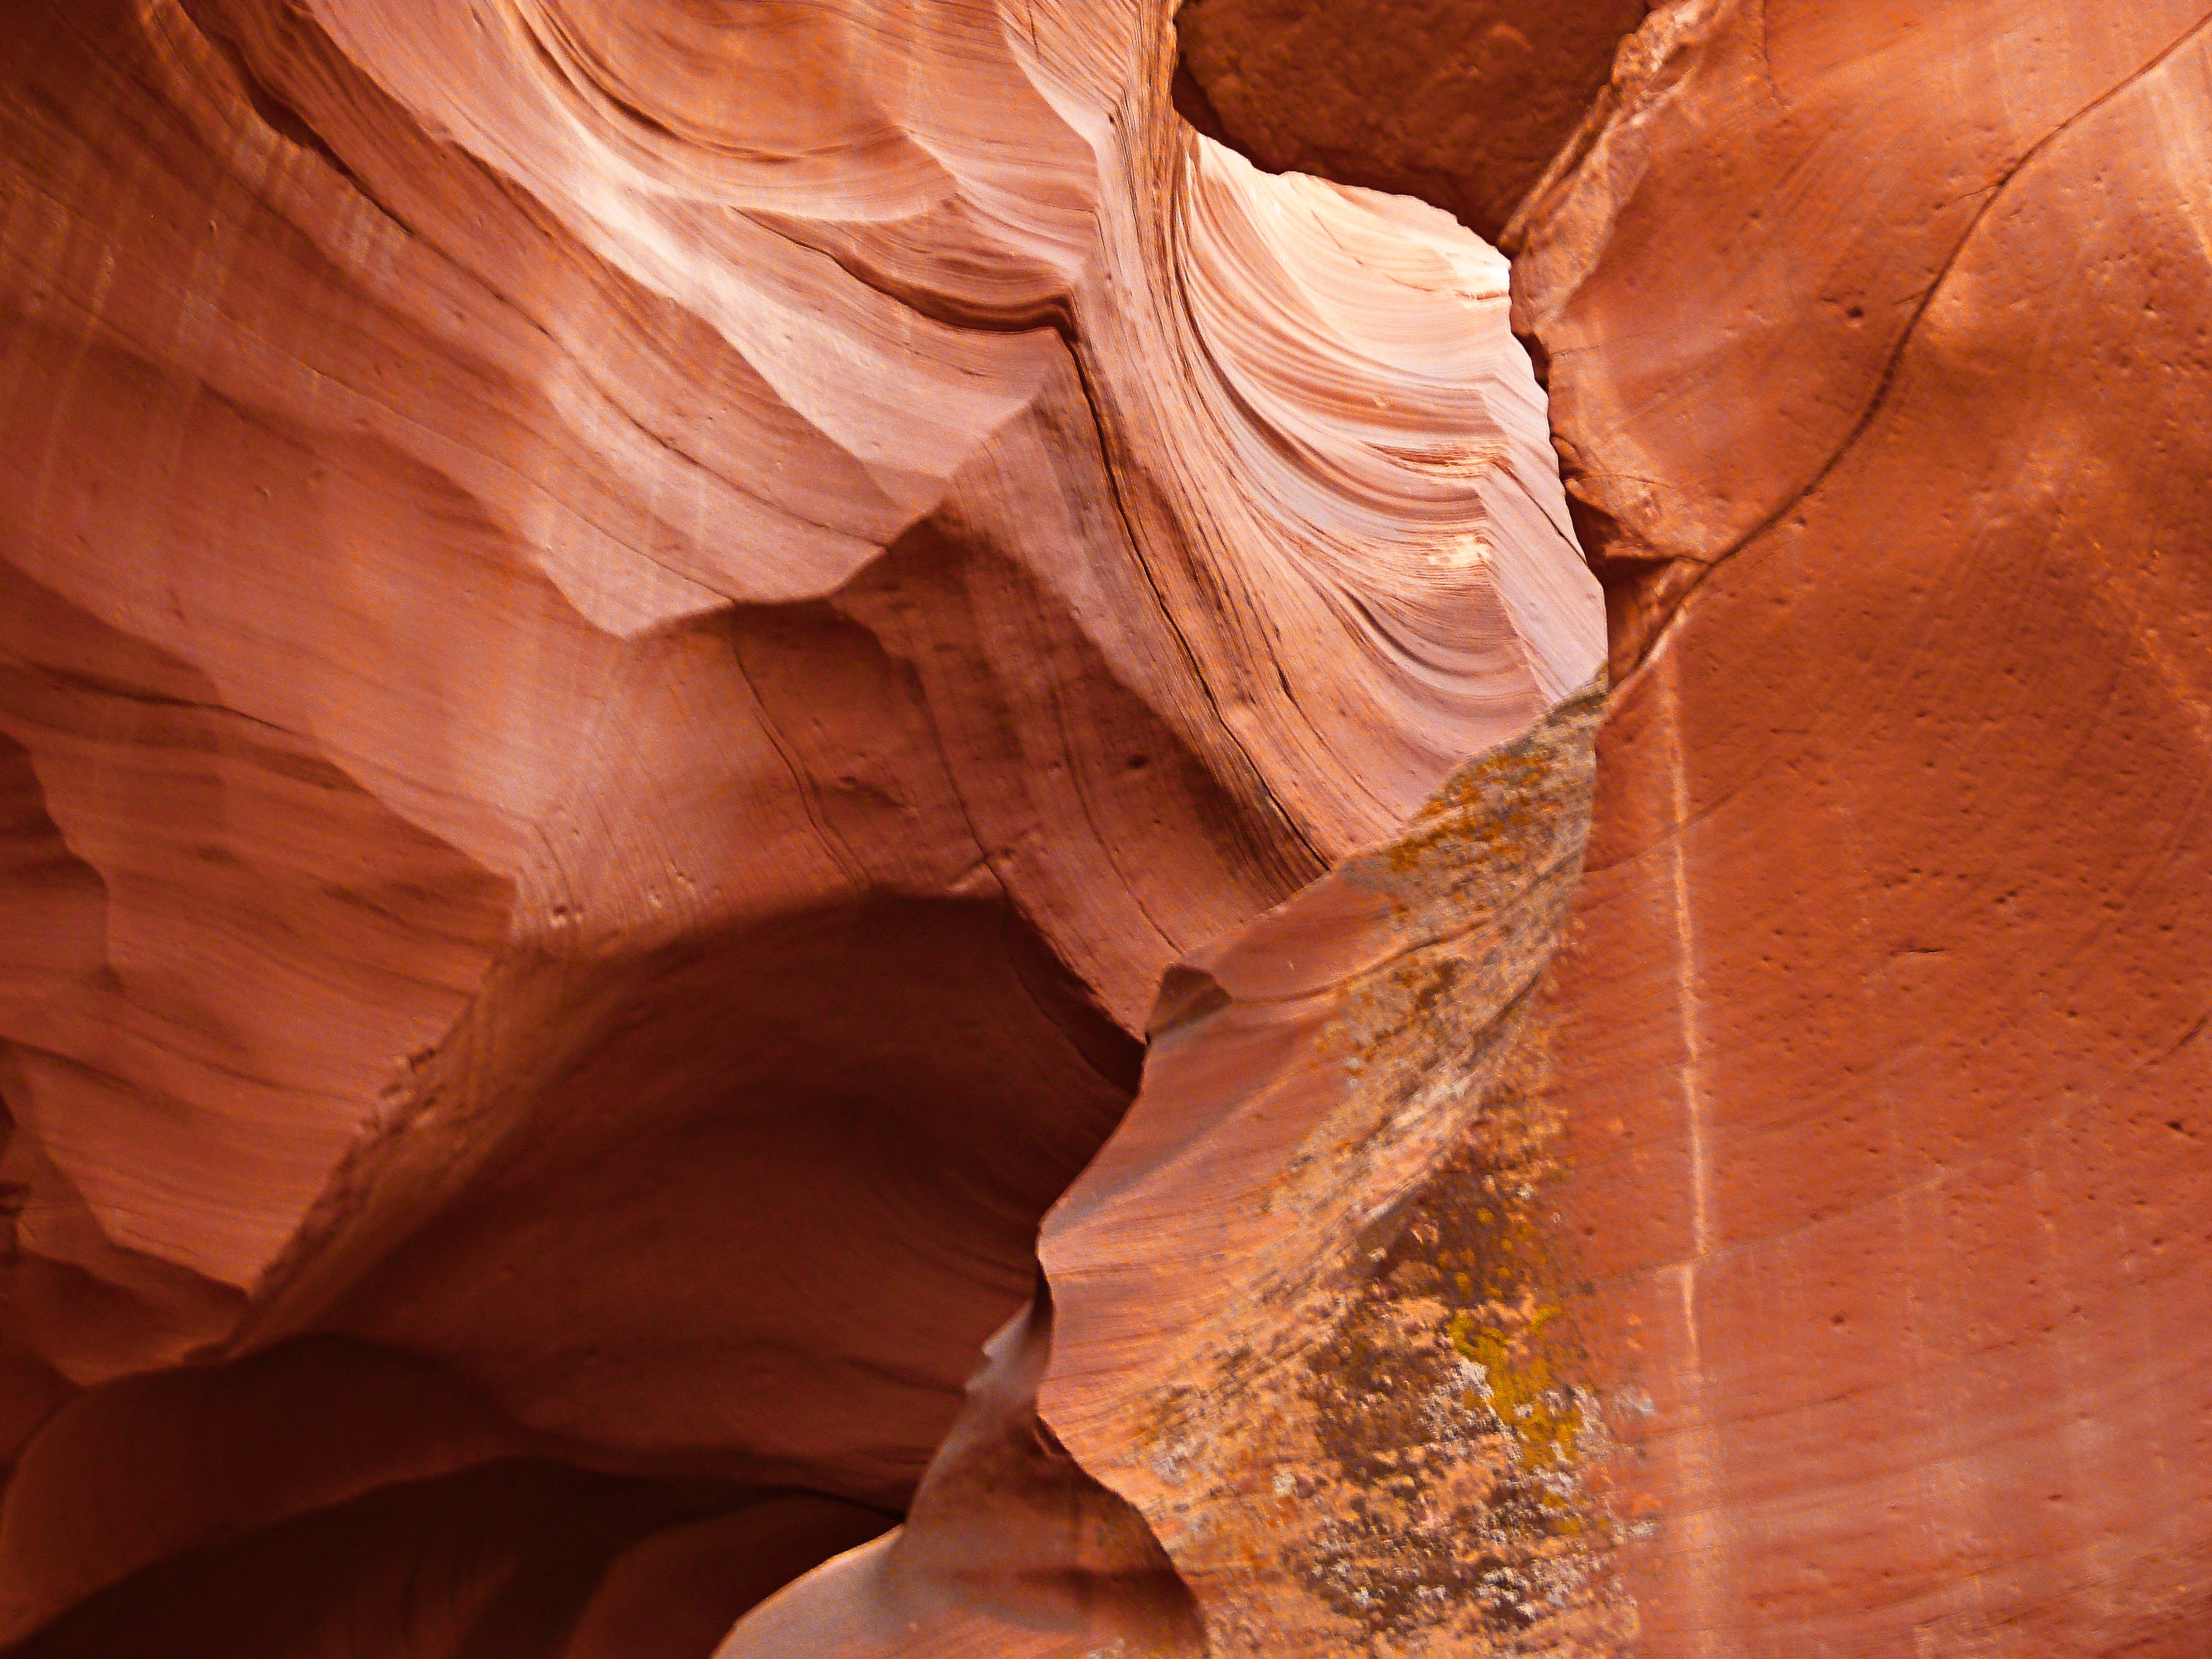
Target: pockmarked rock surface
[[628, 637], [1463, 103], [1879, 349]]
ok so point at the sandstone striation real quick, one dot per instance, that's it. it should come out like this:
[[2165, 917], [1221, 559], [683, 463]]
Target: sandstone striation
[[1859, 1278], [810, 844], [1876, 338], [630, 636]]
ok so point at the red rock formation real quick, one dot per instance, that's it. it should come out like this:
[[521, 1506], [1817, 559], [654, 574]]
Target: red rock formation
[[628, 639], [1462, 103], [631, 635], [1344, 1110], [1351, 1429], [1877, 346], [1850, 1304]]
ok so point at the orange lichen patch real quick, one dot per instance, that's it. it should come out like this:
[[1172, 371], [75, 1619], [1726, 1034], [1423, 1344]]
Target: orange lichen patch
[[1523, 1388], [1453, 1428]]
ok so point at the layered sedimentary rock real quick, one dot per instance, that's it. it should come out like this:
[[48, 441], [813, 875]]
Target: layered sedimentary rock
[[646, 651], [630, 636], [1877, 344], [1854, 1303]]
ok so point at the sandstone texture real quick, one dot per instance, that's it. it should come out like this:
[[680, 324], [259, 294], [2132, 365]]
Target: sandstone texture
[[1462, 103], [1821, 1246], [630, 635], [1358, 1429], [1879, 349], [811, 846]]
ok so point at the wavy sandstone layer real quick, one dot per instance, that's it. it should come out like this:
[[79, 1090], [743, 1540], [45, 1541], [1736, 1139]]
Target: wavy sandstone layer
[[630, 635], [1855, 1304], [651, 655]]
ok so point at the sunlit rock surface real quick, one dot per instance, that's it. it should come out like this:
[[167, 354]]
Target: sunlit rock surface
[[630, 636]]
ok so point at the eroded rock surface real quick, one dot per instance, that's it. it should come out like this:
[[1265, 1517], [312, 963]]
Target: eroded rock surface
[[1359, 1429], [632, 635], [1877, 339], [628, 636], [1358, 1433], [1864, 1243], [1462, 103]]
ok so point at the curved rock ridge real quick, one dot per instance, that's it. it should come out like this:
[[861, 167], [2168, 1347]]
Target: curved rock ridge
[[1361, 1430], [628, 636], [1360, 1426], [1877, 348]]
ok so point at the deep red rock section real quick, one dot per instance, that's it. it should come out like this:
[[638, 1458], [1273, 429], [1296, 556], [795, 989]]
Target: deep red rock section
[[628, 636], [1460, 103]]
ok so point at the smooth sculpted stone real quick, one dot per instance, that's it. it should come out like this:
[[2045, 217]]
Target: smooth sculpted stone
[[1877, 339], [630, 635]]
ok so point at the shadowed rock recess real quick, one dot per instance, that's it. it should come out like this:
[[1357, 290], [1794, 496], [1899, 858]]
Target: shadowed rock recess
[[1460, 103], [810, 844]]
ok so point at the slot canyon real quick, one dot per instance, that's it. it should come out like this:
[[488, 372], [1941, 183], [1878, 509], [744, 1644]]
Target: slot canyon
[[1068, 830]]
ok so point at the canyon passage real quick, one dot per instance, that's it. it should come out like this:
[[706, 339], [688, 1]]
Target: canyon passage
[[1038, 830]]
